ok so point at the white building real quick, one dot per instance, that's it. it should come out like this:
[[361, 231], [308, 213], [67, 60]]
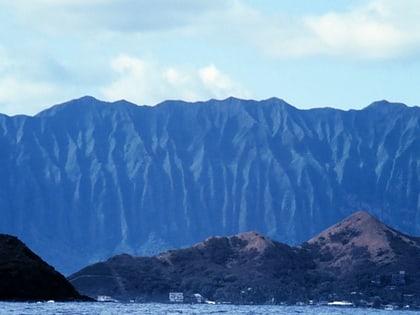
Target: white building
[[176, 297]]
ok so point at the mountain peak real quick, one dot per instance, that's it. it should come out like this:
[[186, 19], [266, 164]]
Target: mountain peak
[[357, 222], [80, 106], [87, 98], [385, 106], [359, 231], [76, 105], [359, 240], [243, 242], [255, 241]]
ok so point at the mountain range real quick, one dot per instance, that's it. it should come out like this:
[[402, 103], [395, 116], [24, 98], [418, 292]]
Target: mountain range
[[359, 259], [85, 180]]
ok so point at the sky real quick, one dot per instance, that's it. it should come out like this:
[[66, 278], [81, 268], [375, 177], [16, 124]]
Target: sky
[[343, 54]]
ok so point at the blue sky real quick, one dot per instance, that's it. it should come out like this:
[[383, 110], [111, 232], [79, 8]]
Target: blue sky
[[311, 53]]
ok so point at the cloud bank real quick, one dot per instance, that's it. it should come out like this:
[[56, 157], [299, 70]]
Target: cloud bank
[[372, 29], [149, 51], [145, 82]]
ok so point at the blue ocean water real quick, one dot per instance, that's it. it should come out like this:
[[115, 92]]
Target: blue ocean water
[[181, 309]]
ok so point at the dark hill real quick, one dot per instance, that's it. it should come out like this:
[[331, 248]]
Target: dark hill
[[357, 259], [25, 277]]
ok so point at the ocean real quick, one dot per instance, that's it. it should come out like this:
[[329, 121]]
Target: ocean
[[84, 308]]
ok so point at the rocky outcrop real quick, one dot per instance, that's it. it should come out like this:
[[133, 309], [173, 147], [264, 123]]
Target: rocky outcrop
[[26, 277], [85, 180], [357, 259]]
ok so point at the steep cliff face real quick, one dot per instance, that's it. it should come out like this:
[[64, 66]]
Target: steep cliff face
[[87, 179]]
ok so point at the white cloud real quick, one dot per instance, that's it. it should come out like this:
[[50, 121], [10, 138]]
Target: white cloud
[[176, 78], [15, 89], [113, 15], [54, 50], [218, 84], [147, 82], [368, 32], [14, 95], [376, 29], [29, 82]]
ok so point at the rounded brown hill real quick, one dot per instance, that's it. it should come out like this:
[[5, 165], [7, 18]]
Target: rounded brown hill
[[361, 240], [244, 268]]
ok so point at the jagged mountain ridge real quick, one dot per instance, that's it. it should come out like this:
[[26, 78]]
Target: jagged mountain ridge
[[87, 179], [360, 254]]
